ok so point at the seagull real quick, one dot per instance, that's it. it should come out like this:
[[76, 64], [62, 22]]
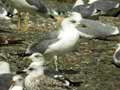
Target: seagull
[[29, 6], [116, 55], [17, 83], [86, 10], [105, 6], [96, 29], [96, 7], [37, 80], [63, 41], [5, 75]]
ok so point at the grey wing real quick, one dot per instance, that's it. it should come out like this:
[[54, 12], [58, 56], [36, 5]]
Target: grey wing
[[85, 10], [105, 5], [5, 81], [97, 29], [51, 35], [2, 10], [40, 46], [39, 5]]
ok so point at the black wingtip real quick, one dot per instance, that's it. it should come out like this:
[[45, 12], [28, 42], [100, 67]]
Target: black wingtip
[[67, 82], [72, 83], [20, 72]]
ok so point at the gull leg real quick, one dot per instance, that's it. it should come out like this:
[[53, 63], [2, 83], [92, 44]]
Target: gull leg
[[26, 22], [56, 62], [19, 22]]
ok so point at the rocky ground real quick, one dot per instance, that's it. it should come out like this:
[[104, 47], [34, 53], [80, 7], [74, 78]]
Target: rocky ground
[[91, 59]]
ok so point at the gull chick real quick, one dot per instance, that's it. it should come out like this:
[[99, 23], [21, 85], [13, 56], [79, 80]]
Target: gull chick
[[37, 80]]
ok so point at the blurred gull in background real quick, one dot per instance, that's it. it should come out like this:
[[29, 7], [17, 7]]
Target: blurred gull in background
[[97, 7], [86, 10], [96, 29]]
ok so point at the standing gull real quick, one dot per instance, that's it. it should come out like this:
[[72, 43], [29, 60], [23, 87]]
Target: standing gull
[[28, 6], [37, 80], [17, 83], [63, 41]]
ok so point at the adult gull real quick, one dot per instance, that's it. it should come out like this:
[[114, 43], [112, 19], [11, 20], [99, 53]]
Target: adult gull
[[96, 29], [63, 41], [28, 6]]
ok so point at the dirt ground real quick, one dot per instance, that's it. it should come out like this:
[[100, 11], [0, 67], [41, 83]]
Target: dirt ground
[[92, 58]]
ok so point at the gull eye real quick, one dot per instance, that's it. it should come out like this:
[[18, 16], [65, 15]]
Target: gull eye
[[31, 69], [37, 56], [73, 21], [20, 79]]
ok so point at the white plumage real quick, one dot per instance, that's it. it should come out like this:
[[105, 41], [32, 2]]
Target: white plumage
[[17, 83]]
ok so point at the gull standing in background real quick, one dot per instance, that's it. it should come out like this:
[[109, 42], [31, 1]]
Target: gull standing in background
[[96, 29], [28, 6]]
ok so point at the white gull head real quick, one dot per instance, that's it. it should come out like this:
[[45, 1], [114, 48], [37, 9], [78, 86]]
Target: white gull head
[[37, 57], [35, 69], [73, 20]]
